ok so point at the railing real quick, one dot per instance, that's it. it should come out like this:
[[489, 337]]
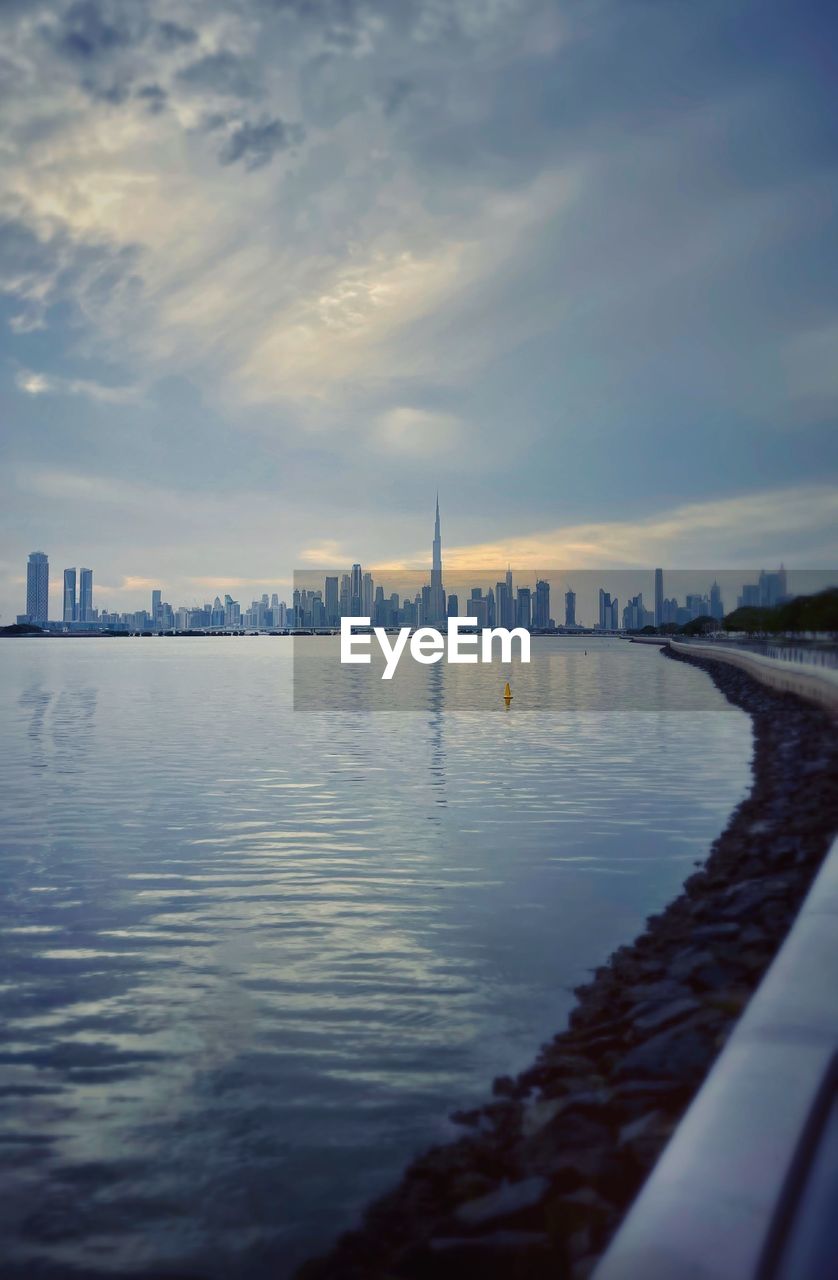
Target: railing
[[818, 653]]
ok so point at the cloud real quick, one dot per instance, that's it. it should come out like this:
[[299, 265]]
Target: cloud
[[604, 298], [257, 144], [811, 364], [43, 264], [419, 433], [172, 35], [223, 73], [330, 551], [153, 96], [38, 384], [771, 525], [88, 30]]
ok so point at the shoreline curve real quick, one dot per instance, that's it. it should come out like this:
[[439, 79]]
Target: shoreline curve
[[545, 1172]]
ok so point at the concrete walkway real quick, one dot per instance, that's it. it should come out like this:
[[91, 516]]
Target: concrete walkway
[[815, 684]]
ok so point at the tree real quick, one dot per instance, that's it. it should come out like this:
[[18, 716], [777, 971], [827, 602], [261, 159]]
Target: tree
[[803, 613], [699, 626]]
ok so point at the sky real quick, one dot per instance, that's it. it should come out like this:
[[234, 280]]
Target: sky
[[272, 272]]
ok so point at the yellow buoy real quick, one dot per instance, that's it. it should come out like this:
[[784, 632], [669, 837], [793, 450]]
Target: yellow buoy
[[507, 693]]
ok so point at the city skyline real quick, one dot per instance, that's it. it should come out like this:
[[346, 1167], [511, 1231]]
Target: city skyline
[[320, 599]]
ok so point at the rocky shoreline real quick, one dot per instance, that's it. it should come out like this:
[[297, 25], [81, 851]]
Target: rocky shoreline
[[544, 1173]]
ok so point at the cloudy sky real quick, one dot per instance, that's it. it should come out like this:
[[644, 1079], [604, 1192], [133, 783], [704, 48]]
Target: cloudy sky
[[272, 271]]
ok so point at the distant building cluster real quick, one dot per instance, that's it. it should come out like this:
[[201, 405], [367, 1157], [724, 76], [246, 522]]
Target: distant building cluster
[[770, 590], [356, 594], [668, 612], [79, 614], [265, 614]]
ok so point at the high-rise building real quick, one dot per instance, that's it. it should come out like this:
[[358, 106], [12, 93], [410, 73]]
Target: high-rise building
[[332, 602], [570, 607], [85, 595], [367, 589], [772, 587], [70, 606], [698, 605], [504, 604], [716, 605], [541, 605], [524, 610], [37, 588], [749, 596], [658, 597], [355, 591], [436, 602], [604, 610], [156, 601], [232, 612]]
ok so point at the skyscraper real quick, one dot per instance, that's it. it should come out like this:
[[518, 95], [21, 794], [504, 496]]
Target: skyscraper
[[570, 607], [604, 609], [541, 605], [355, 592], [331, 602], [85, 595], [716, 606], [658, 597], [523, 616], [367, 594], [69, 595], [37, 588], [156, 601], [436, 603]]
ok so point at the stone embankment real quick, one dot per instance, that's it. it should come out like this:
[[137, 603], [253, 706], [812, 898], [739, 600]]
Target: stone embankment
[[544, 1172]]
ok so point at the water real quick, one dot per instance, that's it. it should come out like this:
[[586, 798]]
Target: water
[[253, 957]]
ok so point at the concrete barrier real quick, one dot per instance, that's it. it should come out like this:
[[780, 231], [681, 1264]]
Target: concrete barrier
[[726, 1197], [816, 684]]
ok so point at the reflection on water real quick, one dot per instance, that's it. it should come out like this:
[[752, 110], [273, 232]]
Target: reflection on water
[[252, 957], [566, 675]]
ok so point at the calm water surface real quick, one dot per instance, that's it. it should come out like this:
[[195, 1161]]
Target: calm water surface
[[253, 957]]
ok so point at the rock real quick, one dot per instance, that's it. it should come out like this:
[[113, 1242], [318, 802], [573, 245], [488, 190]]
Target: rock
[[508, 1200], [664, 989], [656, 1018], [503, 1240], [679, 1053], [583, 1268], [637, 1128], [506, 1087], [685, 963], [540, 1113], [723, 929], [730, 1000]]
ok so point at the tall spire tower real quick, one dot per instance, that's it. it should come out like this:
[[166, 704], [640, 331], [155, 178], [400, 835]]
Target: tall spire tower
[[437, 593], [437, 560]]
